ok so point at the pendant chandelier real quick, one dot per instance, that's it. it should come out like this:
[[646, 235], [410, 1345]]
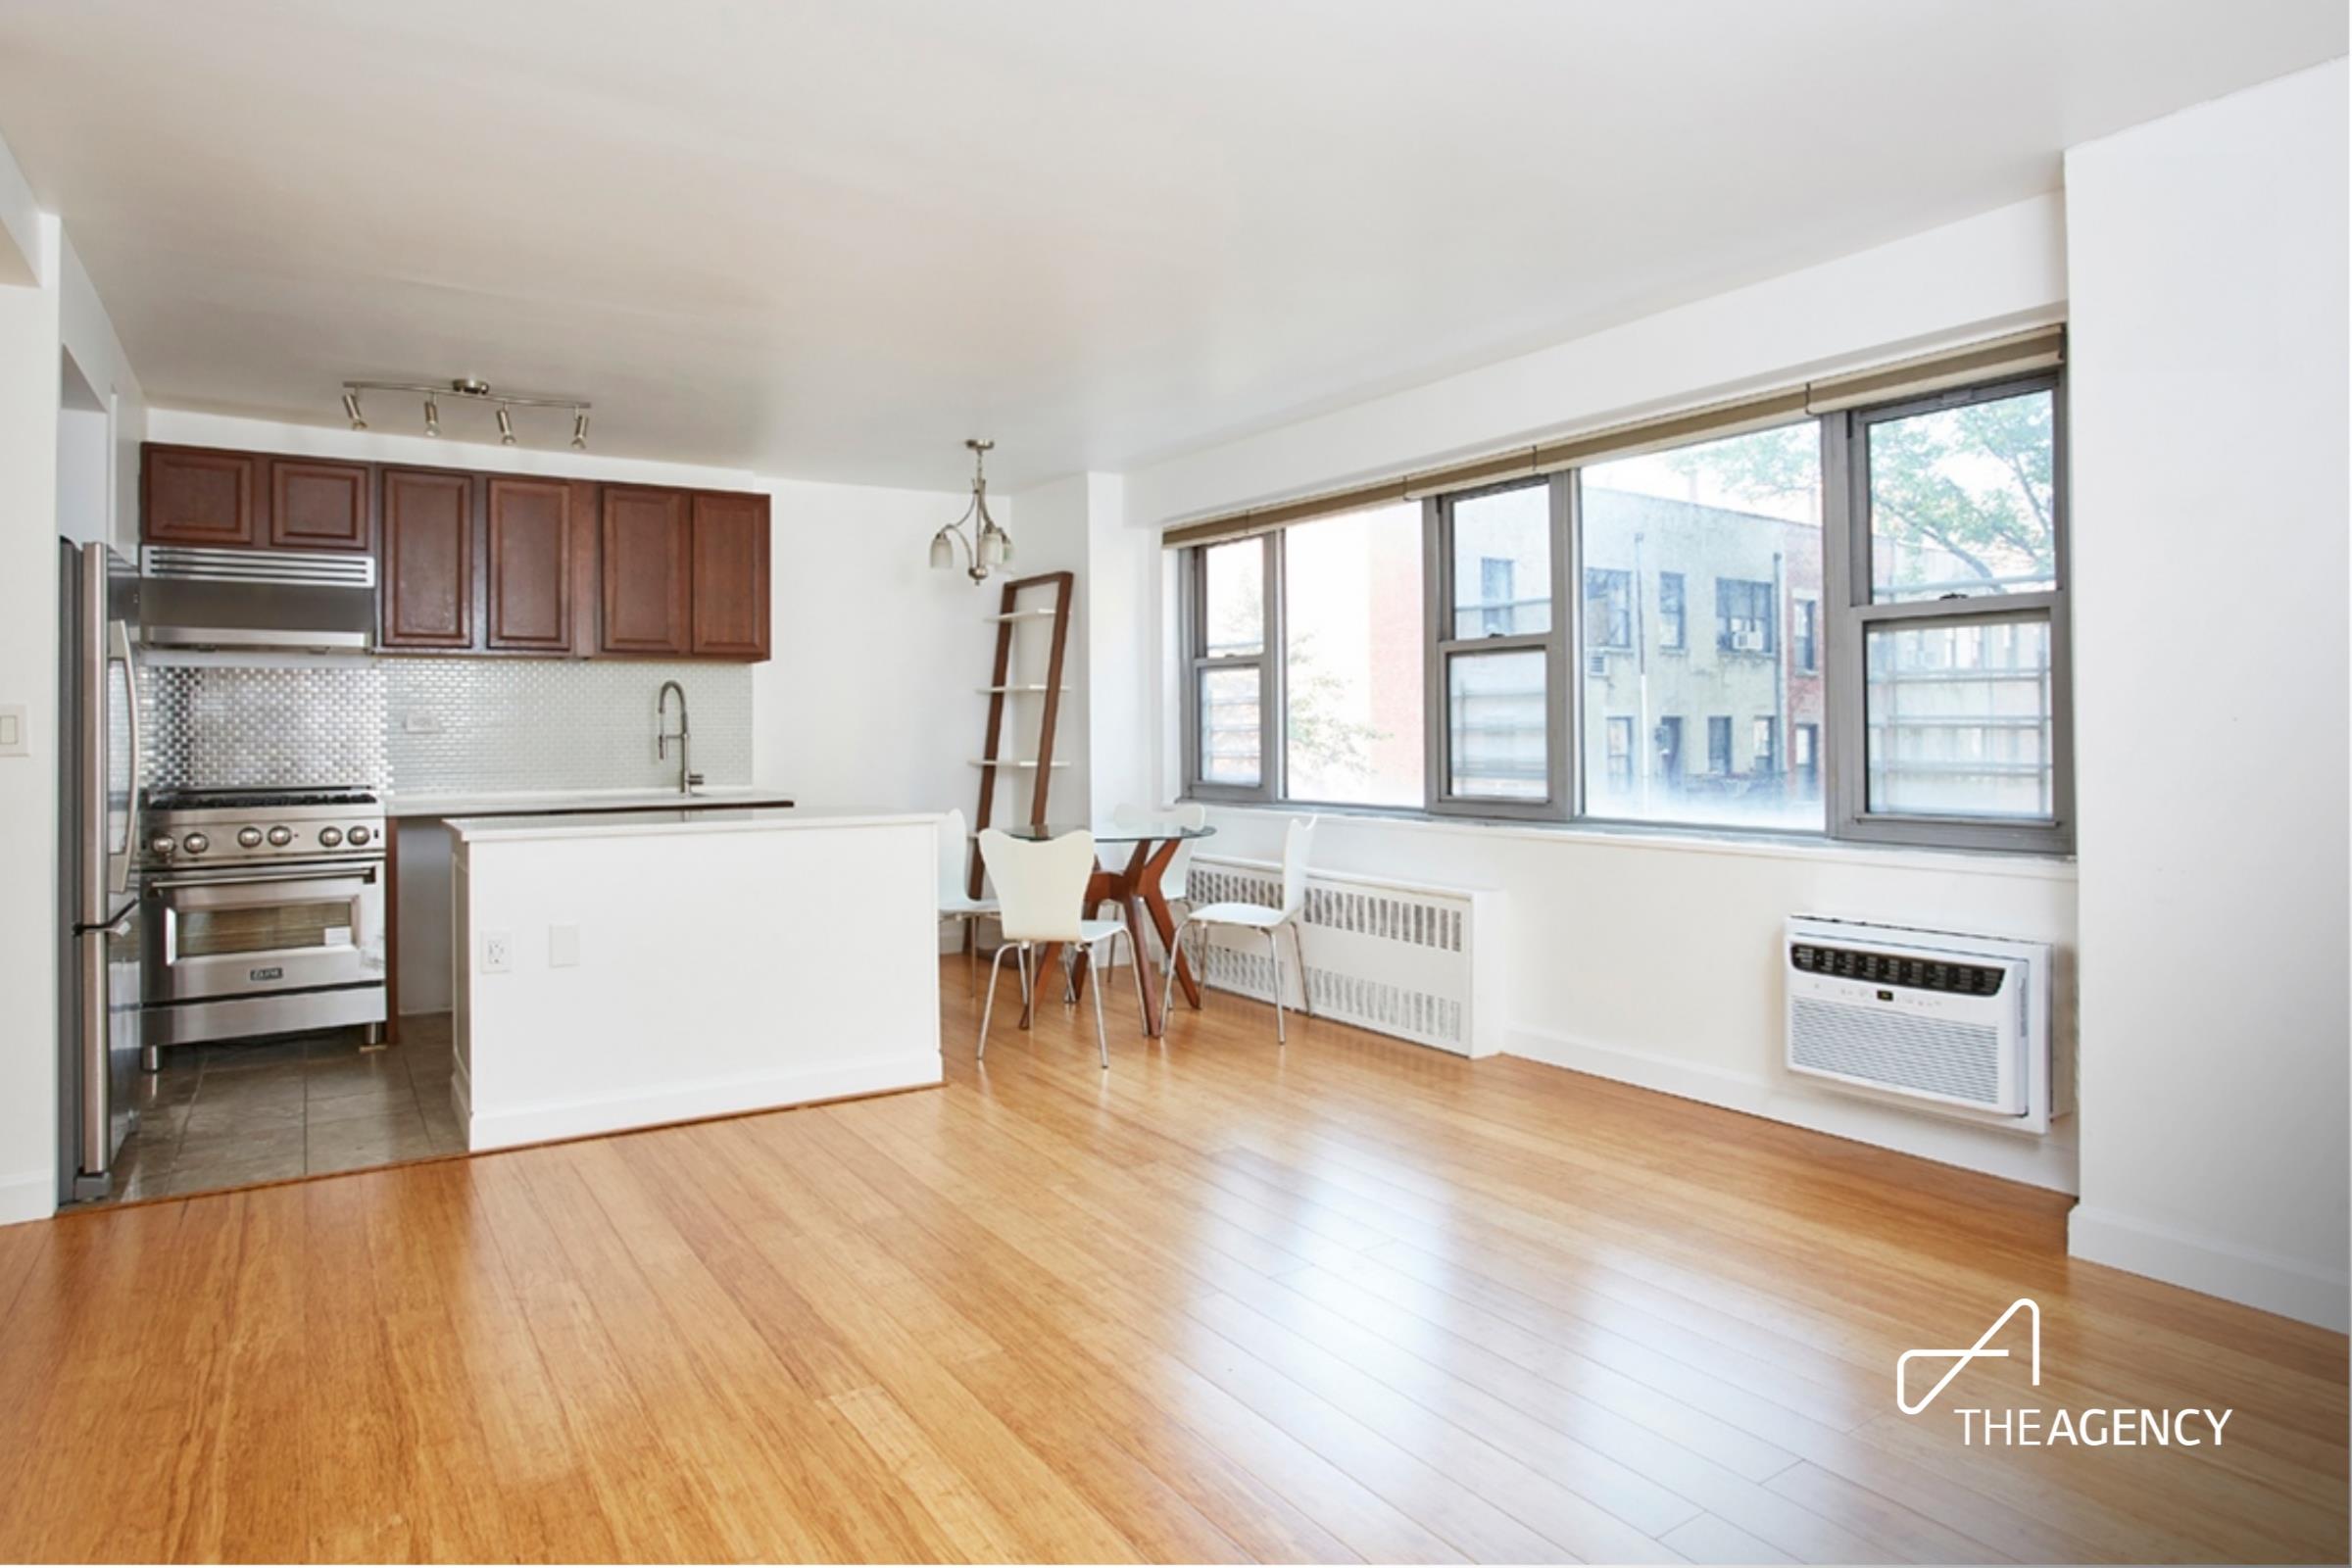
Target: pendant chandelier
[[988, 544]]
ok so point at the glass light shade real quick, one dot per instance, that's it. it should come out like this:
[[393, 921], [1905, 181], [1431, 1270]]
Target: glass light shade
[[943, 554], [996, 546]]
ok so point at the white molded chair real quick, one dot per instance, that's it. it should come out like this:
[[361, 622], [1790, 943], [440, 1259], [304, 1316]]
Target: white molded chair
[[955, 872], [1041, 893], [1296, 844]]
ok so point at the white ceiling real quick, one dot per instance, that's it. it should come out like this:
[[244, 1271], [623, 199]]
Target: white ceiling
[[830, 240]]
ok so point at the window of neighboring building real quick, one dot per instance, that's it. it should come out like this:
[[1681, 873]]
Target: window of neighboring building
[[1742, 615], [1608, 608], [1670, 609], [1621, 752], [1807, 652], [1765, 750], [1719, 744], [1804, 759]]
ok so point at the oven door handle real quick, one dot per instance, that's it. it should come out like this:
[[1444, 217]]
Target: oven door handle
[[227, 878]]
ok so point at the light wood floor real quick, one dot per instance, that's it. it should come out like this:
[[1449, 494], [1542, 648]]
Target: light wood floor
[[1349, 1300]]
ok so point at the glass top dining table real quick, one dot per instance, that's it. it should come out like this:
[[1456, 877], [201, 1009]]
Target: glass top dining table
[[1135, 889]]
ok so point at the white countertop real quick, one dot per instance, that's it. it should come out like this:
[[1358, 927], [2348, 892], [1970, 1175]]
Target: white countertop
[[537, 803], [708, 819]]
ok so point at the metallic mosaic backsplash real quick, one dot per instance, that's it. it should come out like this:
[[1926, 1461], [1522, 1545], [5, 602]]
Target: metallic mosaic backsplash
[[439, 726], [217, 726], [540, 724]]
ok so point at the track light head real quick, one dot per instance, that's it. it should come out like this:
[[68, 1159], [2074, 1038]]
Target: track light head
[[432, 416], [579, 429], [351, 410], [506, 426]]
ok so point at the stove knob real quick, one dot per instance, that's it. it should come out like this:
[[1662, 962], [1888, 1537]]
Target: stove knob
[[195, 844], [282, 836], [358, 835], [249, 837], [329, 837], [163, 844]]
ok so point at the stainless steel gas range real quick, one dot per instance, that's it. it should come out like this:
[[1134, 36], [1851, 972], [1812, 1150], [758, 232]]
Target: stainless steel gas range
[[262, 913]]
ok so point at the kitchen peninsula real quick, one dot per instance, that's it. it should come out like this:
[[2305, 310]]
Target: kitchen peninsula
[[631, 969]]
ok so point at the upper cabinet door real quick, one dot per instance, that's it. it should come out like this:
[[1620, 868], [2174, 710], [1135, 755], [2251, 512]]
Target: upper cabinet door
[[529, 537], [730, 576], [426, 566], [318, 506], [194, 497], [648, 571]]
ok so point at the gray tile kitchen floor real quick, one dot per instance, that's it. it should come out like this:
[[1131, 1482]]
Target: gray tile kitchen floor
[[239, 1114]]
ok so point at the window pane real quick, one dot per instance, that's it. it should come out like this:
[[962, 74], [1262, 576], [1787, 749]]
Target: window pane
[[1352, 633], [1229, 734], [1498, 703], [1962, 501], [1503, 564], [1234, 597], [1958, 718], [1703, 581]]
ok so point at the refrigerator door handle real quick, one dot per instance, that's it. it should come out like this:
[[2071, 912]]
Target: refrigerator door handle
[[119, 866]]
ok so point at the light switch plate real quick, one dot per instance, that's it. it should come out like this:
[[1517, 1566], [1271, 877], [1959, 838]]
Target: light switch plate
[[13, 742], [562, 946]]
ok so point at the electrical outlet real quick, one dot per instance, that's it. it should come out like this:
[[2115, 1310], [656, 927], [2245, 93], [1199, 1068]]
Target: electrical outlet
[[498, 953], [421, 721]]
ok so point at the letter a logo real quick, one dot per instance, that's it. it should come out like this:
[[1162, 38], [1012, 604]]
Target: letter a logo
[[1961, 1358]]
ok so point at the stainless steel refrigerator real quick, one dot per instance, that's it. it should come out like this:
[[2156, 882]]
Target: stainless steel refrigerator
[[98, 863]]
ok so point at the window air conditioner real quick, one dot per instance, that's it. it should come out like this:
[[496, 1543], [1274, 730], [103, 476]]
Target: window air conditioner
[[1598, 665], [1959, 1025], [1748, 642]]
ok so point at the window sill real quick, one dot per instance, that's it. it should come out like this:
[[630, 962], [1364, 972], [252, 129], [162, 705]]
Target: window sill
[[1752, 844]]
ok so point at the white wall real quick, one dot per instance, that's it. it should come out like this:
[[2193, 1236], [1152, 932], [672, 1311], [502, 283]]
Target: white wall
[[29, 347], [1649, 959], [2207, 256]]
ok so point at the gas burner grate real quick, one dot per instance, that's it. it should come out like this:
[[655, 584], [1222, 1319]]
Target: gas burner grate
[[190, 800]]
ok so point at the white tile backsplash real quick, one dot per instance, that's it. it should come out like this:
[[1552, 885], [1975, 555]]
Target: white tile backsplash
[[438, 725]]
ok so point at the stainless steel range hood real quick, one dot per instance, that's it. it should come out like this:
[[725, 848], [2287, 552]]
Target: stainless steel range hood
[[192, 598]]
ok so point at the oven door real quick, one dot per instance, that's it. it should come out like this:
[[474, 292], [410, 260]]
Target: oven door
[[230, 932]]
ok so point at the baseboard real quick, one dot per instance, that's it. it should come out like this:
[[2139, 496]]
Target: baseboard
[[2212, 1266], [2047, 1162], [548, 1121], [29, 1196]]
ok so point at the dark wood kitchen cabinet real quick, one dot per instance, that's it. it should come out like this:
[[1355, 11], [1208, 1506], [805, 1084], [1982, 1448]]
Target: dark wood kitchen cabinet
[[530, 526], [190, 496], [320, 506], [730, 576], [648, 571], [426, 565]]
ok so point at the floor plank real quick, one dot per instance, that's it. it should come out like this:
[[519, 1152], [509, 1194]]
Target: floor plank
[[1348, 1299]]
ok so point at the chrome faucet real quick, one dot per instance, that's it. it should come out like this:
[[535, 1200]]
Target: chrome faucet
[[662, 736]]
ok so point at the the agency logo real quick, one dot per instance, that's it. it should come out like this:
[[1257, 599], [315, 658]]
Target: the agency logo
[[1960, 1359], [2120, 1427]]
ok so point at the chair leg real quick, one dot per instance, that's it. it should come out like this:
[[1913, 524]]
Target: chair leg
[[1167, 977], [1069, 974], [1307, 995], [1101, 1035], [996, 968], [1274, 952], [971, 952]]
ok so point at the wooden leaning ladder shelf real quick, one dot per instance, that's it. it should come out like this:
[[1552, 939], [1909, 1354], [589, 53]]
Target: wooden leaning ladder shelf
[[993, 762]]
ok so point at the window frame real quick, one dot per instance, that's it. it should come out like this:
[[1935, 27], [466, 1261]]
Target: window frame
[[1441, 645], [1852, 615], [1194, 609], [1845, 616]]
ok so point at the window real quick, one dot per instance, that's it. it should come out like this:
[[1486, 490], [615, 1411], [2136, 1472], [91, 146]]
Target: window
[[1955, 535], [1621, 752], [1888, 650], [1742, 615], [1608, 608], [1351, 657], [1499, 657], [1230, 700], [1744, 513]]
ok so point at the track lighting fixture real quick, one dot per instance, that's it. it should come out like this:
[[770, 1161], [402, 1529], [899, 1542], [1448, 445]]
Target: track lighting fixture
[[471, 389], [989, 545]]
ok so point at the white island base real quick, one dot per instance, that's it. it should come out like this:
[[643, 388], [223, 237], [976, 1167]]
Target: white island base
[[634, 969]]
